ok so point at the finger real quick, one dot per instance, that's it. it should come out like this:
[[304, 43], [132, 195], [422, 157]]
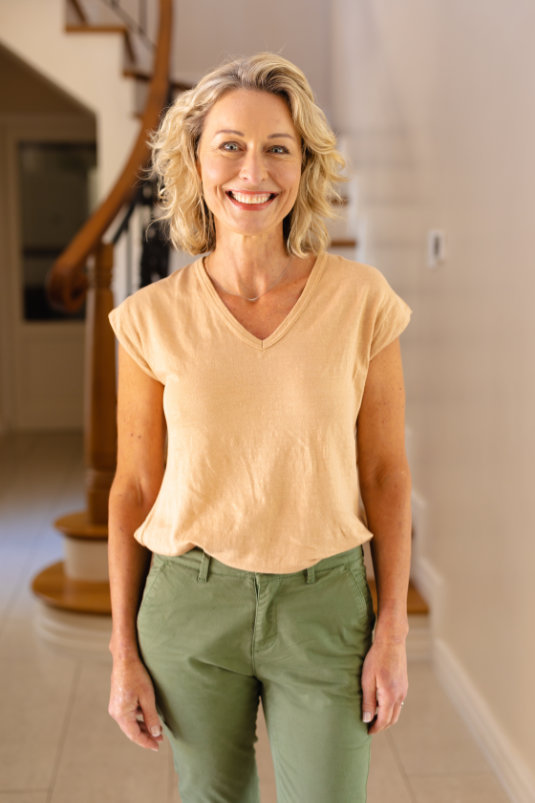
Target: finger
[[388, 713], [149, 715], [137, 732], [369, 694], [369, 703], [384, 712], [381, 722], [155, 733], [397, 711]]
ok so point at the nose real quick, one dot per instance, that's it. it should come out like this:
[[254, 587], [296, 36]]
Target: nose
[[253, 167]]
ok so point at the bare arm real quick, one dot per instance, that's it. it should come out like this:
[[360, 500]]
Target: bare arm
[[140, 466], [385, 487]]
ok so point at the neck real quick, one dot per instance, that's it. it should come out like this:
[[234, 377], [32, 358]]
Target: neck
[[248, 267]]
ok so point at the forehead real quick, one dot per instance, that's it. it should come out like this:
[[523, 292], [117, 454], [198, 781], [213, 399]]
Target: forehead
[[241, 109]]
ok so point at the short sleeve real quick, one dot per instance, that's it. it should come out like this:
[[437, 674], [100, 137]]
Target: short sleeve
[[124, 321], [392, 317]]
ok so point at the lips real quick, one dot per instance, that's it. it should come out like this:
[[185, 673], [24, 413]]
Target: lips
[[251, 198]]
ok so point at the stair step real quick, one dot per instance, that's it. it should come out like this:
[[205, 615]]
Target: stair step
[[77, 525], [55, 588], [347, 242]]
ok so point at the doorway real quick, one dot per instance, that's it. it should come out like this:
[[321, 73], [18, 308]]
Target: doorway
[[48, 161]]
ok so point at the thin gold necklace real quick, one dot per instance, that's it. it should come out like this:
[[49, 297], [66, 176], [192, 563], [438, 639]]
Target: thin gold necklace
[[247, 298]]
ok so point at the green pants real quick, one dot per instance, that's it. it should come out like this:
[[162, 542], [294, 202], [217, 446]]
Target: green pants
[[216, 640]]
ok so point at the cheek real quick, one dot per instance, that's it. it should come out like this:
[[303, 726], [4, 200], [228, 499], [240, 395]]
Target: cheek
[[214, 176], [292, 179], [209, 169]]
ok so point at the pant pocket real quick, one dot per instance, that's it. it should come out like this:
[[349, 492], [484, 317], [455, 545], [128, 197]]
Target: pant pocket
[[154, 577], [357, 575]]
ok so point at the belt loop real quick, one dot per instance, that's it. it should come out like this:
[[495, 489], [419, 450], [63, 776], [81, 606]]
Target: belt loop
[[203, 568], [311, 574]]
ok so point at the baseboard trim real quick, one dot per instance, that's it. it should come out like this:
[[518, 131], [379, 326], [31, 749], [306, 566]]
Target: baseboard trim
[[515, 775]]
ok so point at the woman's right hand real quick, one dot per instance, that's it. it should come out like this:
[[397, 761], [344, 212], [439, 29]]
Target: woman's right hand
[[132, 703]]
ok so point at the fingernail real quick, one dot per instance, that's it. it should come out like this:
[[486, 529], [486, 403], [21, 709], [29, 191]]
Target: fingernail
[[367, 717], [156, 731]]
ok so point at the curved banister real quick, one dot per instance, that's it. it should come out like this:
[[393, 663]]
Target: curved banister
[[67, 282]]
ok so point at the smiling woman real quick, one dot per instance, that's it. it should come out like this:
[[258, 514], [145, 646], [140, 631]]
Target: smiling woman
[[236, 571], [175, 151], [249, 161]]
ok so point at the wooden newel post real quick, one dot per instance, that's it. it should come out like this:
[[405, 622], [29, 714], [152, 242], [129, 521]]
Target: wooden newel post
[[79, 583], [100, 424]]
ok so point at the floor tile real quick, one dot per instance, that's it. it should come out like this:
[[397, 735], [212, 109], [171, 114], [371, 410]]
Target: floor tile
[[18, 620], [98, 762], [35, 699], [173, 796], [430, 737], [386, 781], [462, 788]]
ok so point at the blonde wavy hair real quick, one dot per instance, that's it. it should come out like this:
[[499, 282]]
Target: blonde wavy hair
[[174, 155]]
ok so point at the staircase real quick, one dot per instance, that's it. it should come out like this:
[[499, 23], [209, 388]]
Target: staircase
[[83, 272]]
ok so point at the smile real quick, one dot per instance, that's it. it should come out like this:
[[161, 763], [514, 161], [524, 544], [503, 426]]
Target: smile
[[250, 198]]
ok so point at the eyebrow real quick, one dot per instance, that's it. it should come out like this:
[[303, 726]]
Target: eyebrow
[[276, 136], [241, 134]]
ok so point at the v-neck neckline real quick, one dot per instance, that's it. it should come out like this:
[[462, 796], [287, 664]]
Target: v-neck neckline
[[261, 343]]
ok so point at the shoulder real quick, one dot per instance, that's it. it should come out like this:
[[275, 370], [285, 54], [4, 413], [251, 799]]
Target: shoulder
[[359, 277], [360, 291], [158, 298], [164, 290], [146, 320]]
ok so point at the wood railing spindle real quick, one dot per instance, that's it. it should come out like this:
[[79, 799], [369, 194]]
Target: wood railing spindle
[[100, 426]]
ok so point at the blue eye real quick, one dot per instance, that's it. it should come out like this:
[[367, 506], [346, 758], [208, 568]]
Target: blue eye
[[279, 149], [230, 146]]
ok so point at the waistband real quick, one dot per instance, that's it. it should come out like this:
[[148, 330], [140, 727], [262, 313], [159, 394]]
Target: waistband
[[198, 560]]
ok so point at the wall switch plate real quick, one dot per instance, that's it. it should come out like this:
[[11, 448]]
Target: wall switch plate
[[436, 250]]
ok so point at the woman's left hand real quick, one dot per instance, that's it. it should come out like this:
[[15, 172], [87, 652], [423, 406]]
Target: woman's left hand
[[384, 684]]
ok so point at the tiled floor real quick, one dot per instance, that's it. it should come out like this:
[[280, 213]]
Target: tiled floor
[[57, 744]]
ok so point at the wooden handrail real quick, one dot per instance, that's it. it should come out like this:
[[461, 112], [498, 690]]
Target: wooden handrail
[[67, 281]]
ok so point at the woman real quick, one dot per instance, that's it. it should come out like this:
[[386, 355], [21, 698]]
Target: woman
[[259, 363]]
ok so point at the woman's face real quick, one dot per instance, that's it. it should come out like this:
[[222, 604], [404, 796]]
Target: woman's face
[[249, 160]]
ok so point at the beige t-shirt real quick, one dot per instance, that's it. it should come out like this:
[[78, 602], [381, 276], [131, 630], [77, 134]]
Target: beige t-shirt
[[261, 467]]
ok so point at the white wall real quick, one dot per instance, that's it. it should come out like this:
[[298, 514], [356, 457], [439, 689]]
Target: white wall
[[443, 90], [208, 32], [88, 66]]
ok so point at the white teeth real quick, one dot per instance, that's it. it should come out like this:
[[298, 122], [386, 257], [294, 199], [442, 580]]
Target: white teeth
[[247, 198]]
